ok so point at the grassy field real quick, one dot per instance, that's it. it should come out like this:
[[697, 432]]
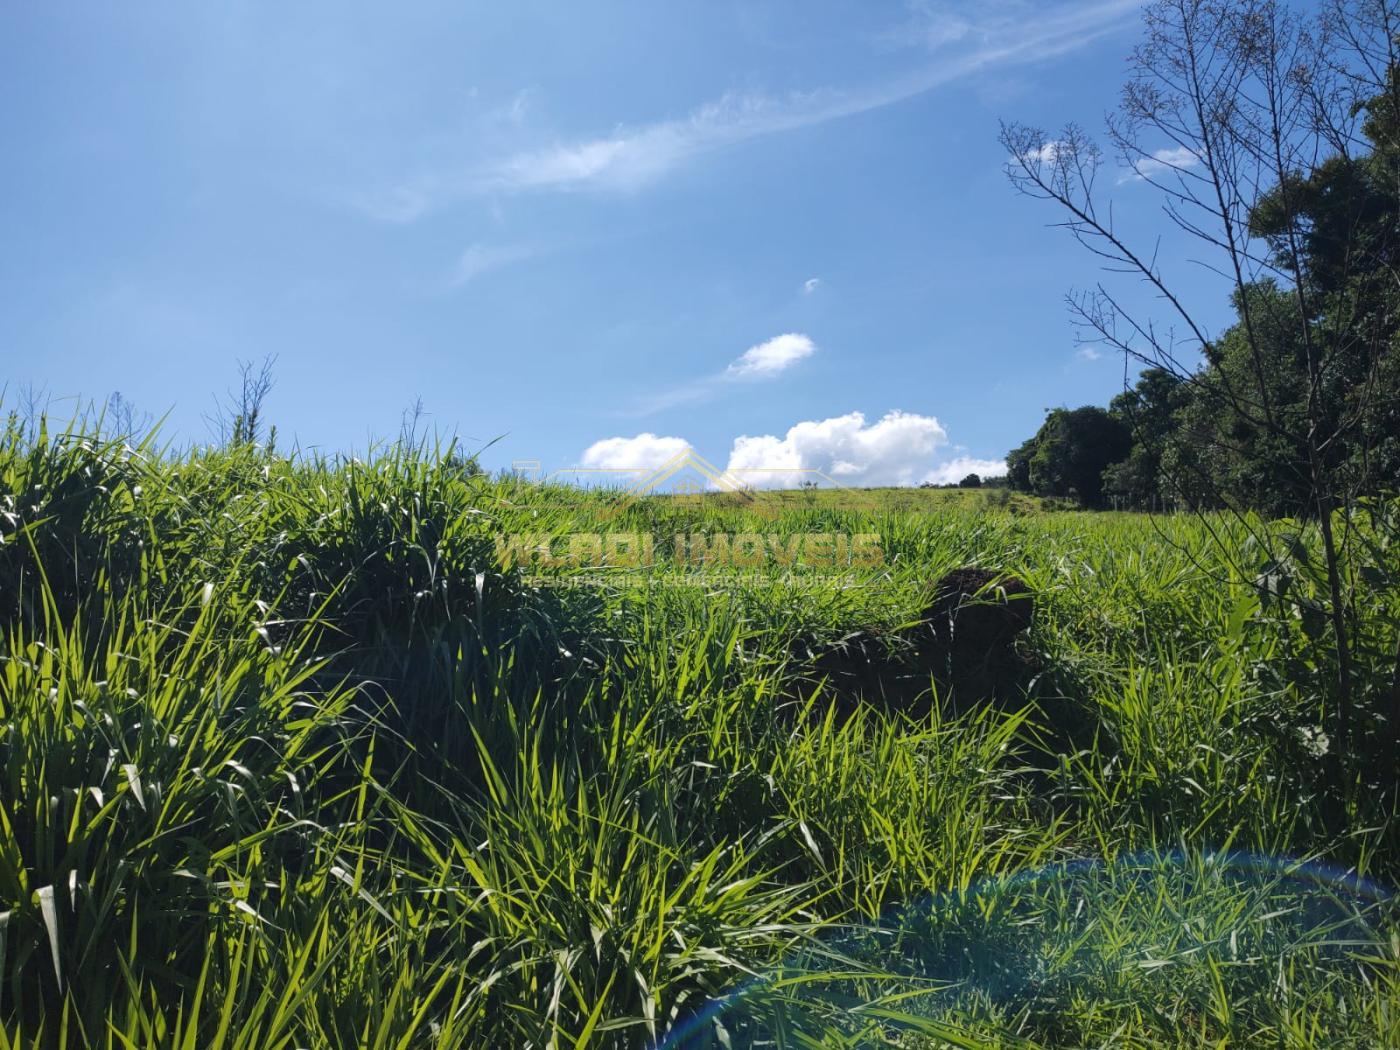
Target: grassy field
[[292, 758], [879, 500]]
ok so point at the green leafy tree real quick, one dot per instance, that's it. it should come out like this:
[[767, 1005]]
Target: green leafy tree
[[1150, 410], [1068, 455], [1018, 466]]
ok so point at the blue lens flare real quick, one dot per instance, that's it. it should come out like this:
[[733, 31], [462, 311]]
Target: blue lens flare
[[927, 948]]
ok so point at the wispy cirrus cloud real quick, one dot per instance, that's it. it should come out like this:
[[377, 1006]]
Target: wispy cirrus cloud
[[480, 258], [762, 361], [633, 156]]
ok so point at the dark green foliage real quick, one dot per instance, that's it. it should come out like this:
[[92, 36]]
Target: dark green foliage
[[1018, 466], [1304, 389], [1150, 411], [1069, 454], [1256, 456]]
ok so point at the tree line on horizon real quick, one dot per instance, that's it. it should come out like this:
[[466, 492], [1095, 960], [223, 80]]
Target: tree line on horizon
[[1295, 408]]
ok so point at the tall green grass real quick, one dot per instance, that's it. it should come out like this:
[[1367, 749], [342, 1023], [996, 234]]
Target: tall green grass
[[290, 760]]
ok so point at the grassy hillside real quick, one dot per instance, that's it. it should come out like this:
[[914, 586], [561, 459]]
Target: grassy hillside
[[292, 758], [874, 500]]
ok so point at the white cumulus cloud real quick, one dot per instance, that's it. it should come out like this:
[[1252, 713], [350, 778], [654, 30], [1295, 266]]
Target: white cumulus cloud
[[896, 450], [900, 448], [1176, 158], [957, 469], [810, 285], [1047, 154], [642, 452], [771, 358]]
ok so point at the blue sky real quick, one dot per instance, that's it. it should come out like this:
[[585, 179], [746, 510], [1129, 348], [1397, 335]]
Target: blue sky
[[591, 233]]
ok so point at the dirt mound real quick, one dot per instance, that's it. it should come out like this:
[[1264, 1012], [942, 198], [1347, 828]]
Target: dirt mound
[[975, 611], [866, 667], [970, 633], [963, 651]]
